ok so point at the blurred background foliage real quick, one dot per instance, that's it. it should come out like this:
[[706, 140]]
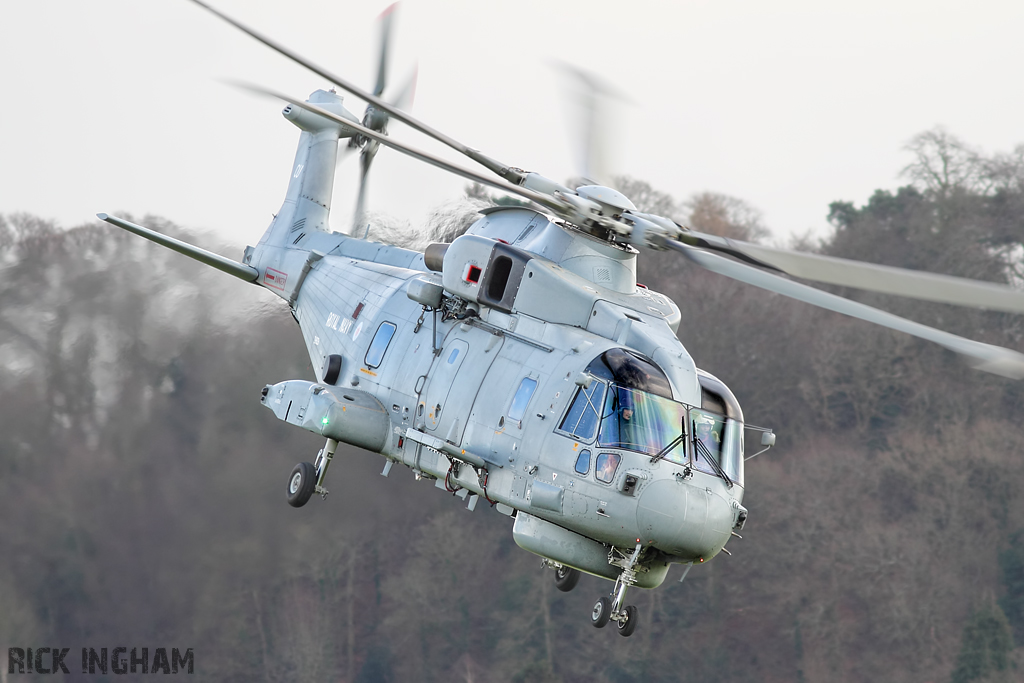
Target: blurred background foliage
[[142, 484]]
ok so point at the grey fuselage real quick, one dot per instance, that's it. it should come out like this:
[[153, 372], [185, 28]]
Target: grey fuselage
[[439, 398]]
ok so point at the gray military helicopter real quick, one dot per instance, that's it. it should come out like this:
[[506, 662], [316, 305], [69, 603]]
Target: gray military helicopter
[[523, 364]]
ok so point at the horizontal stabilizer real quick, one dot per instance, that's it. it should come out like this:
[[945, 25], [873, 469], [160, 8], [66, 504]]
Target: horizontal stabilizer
[[239, 270]]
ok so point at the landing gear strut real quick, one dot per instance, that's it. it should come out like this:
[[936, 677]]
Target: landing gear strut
[[609, 608], [307, 479]]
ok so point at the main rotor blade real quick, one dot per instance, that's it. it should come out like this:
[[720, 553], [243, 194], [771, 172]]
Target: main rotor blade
[[504, 170], [915, 284], [982, 356], [543, 200]]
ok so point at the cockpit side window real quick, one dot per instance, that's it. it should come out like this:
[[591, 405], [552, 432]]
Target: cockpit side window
[[607, 463], [584, 413], [583, 462], [719, 404]]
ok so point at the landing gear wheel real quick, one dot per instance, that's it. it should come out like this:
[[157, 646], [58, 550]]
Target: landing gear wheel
[[627, 626], [602, 612], [566, 578], [301, 484]]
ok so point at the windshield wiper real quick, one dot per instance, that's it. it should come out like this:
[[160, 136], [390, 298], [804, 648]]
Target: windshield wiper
[[668, 449], [706, 452], [590, 402]]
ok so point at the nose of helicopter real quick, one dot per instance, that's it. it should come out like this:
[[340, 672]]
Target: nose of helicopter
[[683, 519]]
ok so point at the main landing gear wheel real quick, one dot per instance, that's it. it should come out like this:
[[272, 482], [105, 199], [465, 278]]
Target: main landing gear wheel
[[627, 623], [301, 484], [602, 612], [566, 578]]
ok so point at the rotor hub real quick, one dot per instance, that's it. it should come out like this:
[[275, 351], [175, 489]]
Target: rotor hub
[[612, 201]]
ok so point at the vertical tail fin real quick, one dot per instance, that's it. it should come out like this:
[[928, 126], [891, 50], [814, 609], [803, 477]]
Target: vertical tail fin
[[282, 257], [307, 205], [280, 261]]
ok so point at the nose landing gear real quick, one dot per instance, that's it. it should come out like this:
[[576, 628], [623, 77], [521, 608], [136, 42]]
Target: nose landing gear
[[609, 608], [307, 479]]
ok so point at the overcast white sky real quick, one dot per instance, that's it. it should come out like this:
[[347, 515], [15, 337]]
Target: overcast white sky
[[117, 105]]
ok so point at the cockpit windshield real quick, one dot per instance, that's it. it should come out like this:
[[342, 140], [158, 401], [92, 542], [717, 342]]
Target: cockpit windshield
[[708, 432], [629, 405], [642, 422]]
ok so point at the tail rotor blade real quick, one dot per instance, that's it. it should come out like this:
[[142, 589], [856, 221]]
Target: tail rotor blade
[[544, 200], [375, 119], [386, 18], [365, 159], [404, 99]]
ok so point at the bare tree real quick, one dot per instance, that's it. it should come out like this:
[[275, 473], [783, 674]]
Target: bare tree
[[720, 214], [944, 164]]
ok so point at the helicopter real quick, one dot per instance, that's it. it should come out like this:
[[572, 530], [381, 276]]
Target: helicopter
[[522, 363]]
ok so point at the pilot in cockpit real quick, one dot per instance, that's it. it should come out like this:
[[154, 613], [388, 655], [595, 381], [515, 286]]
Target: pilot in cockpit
[[707, 435], [628, 431]]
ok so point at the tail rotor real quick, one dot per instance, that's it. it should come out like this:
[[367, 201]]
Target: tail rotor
[[377, 119]]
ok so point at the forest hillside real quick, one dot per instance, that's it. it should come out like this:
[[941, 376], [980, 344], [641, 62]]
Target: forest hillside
[[142, 483]]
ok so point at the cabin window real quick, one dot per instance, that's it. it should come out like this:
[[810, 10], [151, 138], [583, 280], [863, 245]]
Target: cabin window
[[379, 345], [522, 399], [584, 414], [607, 463], [583, 462]]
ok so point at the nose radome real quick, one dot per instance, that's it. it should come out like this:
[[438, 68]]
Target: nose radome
[[682, 519]]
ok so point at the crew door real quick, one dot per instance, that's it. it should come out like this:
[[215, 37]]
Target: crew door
[[455, 380]]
